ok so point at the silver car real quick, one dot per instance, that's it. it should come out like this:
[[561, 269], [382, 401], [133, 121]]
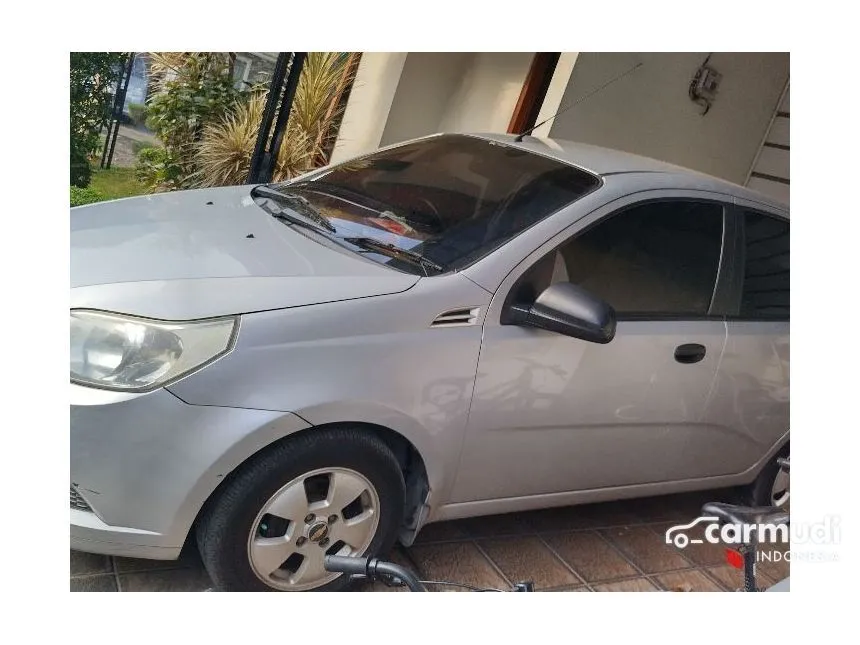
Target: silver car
[[455, 326]]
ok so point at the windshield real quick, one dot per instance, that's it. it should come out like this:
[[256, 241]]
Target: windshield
[[447, 200]]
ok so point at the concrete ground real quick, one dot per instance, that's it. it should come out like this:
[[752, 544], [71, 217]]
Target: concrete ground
[[615, 546], [124, 155]]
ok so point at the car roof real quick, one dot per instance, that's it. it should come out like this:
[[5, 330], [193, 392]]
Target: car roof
[[605, 161]]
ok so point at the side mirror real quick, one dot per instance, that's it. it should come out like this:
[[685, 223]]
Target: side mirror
[[567, 309]]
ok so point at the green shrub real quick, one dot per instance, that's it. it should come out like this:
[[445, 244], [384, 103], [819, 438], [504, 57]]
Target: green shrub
[[157, 169], [190, 89], [81, 196], [91, 77], [79, 165], [137, 113]]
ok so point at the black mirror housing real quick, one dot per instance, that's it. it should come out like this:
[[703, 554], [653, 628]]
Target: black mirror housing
[[568, 309]]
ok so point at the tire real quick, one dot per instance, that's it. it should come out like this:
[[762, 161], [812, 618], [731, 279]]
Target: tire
[[760, 492], [282, 472]]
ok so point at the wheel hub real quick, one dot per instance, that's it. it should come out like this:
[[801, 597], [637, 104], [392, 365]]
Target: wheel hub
[[317, 532]]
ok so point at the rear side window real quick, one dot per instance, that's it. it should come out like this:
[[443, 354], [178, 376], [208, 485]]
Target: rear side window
[[659, 258], [766, 271]]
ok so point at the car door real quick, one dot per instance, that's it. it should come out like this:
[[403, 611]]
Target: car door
[[553, 414], [751, 398]]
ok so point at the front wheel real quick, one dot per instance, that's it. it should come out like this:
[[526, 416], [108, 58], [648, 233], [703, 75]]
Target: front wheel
[[771, 487], [328, 492]]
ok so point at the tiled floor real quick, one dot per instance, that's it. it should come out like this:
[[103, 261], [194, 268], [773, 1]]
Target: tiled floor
[[616, 546]]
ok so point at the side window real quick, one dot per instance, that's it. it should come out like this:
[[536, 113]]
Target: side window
[[657, 258], [766, 270]]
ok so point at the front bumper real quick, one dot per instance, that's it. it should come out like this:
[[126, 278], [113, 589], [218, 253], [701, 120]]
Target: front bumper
[[146, 463], [90, 534]]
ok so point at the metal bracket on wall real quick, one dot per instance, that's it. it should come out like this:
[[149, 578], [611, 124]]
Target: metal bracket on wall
[[704, 86]]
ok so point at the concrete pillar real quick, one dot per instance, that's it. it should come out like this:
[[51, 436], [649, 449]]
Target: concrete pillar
[[366, 114]]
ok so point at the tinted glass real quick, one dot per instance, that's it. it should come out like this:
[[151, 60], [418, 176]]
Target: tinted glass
[[452, 199], [766, 272], [658, 258]]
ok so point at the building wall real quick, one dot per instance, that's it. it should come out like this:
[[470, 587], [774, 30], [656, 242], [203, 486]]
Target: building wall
[[369, 104], [488, 93], [648, 112], [399, 96], [427, 83]]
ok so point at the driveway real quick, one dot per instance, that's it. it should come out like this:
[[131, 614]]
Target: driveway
[[615, 546]]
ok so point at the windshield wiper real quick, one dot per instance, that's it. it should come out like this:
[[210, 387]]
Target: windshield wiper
[[296, 203], [391, 250]]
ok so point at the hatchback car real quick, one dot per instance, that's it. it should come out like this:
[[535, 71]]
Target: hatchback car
[[455, 326]]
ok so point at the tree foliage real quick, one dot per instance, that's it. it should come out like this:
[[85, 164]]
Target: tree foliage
[[92, 76], [190, 89]]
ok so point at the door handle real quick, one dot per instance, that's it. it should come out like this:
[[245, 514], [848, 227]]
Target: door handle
[[689, 353]]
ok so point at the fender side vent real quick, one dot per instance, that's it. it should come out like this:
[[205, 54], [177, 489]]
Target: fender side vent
[[77, 501], [457, 317]]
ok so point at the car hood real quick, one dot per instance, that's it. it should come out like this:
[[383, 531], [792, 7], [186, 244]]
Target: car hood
[[210, 252]]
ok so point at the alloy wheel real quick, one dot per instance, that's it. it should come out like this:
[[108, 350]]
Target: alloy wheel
[[780, 491], [329, 511]]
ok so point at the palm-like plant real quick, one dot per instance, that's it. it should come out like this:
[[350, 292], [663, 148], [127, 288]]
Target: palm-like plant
[[224, 152], [226, 146]]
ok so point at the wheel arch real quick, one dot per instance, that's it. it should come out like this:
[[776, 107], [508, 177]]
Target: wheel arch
[[779, 446], [409, 457]]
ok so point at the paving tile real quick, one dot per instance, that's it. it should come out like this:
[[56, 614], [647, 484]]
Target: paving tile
[[727, 575], [81, 563], [442, 532], [733, 579], [456, 562], [186, 560], [93, 583], [646, 549], [381, 587], [131, 565], [584, 516], [397, 556], [635, 584], [704, 554], [612, 514], [528, 558], [172, 580], [553, 520], [590, 556], [489, 526], [777, 567], [690, 580], [678, 508]]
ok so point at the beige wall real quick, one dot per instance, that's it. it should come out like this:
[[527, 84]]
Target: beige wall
[[399, 96], [427, 83], [648, 112], [488, 93], [370, 100]]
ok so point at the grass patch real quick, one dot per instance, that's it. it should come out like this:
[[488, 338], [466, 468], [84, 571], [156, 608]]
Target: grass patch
[[83, 196], [116, 183]]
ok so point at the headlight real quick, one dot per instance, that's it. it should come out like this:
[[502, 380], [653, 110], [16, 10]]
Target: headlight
[[128, 354]]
